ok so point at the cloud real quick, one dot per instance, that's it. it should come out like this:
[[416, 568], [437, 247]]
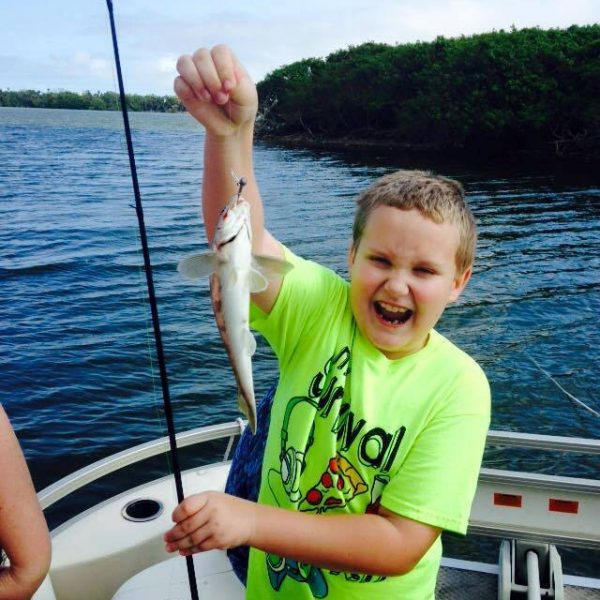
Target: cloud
[[274, 34], [76, 53], [84, 64], [166, 64], [159, 70]]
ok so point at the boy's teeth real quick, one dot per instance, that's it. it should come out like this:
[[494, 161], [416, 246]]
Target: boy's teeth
[[392, 313], [394, 309]]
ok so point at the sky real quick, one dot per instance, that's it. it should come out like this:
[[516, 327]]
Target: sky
[[65, 44]]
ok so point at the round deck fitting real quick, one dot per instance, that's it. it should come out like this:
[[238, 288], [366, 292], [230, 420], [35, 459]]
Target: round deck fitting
[[142, 509]]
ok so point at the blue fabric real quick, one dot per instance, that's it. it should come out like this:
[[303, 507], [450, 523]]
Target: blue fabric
[[244, 476]]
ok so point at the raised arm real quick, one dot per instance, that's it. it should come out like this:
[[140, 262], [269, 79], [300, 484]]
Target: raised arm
[[218, 92], [23, 531]]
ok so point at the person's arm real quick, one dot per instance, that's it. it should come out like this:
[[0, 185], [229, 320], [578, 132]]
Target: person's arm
[[217, 91], [376, 544], [23, 530]]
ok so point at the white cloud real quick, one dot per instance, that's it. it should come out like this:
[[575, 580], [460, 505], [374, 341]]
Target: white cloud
[[265, 35], [166, 64], [83, 63], [291, 30], [160, 71]]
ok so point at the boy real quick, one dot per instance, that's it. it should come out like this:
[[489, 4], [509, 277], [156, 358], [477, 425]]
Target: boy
[[378, 424]]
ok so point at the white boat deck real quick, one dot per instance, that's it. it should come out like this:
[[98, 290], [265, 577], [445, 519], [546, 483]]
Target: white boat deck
[[467, 580], [216, 580]]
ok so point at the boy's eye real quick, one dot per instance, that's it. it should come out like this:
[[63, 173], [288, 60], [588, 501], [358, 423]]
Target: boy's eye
[[424, 270], [380, 260]]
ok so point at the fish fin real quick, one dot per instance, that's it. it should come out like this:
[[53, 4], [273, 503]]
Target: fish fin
[[232, 277], [250, 343], [258, 282], [242, 404], [270, 266], [197, 265]]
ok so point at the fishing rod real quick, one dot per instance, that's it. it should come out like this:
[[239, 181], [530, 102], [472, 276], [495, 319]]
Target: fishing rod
[[164, 381]]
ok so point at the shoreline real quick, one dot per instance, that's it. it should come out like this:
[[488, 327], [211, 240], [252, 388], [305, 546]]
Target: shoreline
[[358, 143]]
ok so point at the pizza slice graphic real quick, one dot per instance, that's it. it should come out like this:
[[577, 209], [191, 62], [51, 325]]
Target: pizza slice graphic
[[337, 486]]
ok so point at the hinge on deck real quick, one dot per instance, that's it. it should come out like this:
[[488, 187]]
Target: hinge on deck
[[529, 570]]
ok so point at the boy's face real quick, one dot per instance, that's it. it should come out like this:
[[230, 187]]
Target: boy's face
[[403, 274]]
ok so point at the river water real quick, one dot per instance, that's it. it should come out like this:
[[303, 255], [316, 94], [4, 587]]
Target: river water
[[78, 375]]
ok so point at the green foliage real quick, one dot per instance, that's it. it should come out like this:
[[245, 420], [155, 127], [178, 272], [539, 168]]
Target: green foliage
[[518, 89], [88, 101]]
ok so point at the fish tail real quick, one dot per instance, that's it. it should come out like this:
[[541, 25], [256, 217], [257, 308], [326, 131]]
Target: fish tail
[[248, 409]]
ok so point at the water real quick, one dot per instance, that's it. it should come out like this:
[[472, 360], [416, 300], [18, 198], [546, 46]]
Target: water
[[78, 373]]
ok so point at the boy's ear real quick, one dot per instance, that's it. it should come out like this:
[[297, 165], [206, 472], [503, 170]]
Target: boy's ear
[[459, 284], [351, 255]]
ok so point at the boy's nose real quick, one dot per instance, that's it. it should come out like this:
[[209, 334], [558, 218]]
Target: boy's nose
[[397, 284]]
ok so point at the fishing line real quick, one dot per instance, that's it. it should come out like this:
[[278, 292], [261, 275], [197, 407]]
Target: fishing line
[[562, 389], [148, 344], [151, 294]]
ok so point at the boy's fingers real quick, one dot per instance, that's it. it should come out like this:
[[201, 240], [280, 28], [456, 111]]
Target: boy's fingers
[[185, 529], [191, 532], [207, 71], [223, 60], [189, 74], [189, 507], [239, 70], [207, 544], [195, 536], [194, 539], [183, 91]]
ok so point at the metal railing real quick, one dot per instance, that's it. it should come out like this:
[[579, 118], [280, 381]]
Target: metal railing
[[543, 442], [67, 485], [538, 506]]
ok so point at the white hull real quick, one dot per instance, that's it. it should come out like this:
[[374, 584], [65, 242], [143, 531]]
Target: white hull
[[102, 548], [100, 554]]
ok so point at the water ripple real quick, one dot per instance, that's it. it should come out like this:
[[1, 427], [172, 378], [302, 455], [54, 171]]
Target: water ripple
[[77, 358]]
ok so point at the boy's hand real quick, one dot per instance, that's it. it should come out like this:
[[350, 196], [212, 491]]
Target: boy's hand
[[216, 90], [208, 521]]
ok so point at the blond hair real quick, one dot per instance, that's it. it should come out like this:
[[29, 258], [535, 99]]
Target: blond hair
[[437, 198]]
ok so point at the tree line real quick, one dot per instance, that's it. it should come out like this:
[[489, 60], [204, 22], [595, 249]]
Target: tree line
[[506, 90], [517, 89], [88, 100]]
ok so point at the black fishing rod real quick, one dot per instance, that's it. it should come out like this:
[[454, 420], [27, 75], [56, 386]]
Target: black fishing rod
[[164, 381]]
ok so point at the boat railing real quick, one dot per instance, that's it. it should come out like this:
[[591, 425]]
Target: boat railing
[[543, 442], [537, 506], [69, 484], [556, 509]]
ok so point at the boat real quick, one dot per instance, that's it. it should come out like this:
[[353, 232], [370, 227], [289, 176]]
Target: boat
[[114, 550]]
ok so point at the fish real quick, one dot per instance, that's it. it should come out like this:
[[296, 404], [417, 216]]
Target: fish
[[234, 274]]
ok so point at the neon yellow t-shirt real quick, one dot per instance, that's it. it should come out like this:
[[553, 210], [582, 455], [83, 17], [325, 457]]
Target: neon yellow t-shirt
[[351, 429]]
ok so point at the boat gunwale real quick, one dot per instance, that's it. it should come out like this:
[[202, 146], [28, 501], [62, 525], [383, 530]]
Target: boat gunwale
[[94, 471], [540, 480], [543, 442], [90, 473]]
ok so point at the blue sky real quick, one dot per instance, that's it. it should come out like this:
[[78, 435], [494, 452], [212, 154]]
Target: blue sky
[[65, 44]]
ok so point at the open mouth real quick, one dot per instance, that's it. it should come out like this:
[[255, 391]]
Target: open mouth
[[394, 315]]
